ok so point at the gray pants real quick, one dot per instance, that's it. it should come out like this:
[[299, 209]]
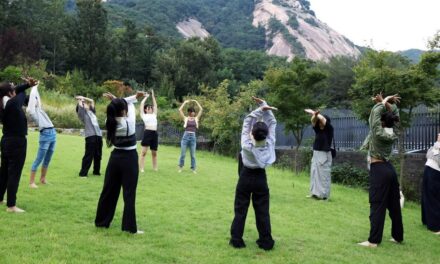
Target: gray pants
[[320, 174]]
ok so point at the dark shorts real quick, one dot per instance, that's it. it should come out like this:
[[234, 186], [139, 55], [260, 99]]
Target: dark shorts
[[151, 139]]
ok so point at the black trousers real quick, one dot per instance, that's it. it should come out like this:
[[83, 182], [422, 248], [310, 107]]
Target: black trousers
[[384, 194], [252, 183], [13, 155], [93, 154], [431, 199], [122, 171]]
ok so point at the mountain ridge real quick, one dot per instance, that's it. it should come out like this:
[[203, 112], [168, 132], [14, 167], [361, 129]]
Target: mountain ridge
[[286, 28]]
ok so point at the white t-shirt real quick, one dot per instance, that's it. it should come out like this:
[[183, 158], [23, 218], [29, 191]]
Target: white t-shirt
[[150, 121]]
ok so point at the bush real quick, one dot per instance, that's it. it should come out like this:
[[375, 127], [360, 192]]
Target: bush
[[349, 175]]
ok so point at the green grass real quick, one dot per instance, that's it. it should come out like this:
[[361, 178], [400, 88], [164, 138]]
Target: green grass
[[186, 218]]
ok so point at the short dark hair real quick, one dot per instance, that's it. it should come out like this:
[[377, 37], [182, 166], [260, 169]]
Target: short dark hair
[[389, 119], [191, 110], [260, 131]]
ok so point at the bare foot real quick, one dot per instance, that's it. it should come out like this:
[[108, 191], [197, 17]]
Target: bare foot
[[14, 209], [367, 244], [43, 181], [33, 185]]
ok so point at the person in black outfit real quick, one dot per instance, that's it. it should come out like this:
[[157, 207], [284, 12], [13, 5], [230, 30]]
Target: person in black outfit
[[13, 142], [258, 152], [122, 168]]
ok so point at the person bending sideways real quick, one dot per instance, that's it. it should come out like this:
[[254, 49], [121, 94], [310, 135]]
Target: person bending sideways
[[384, 187], [13, 142], [93, 136], [258, 152], [47, 140], [122, 168]]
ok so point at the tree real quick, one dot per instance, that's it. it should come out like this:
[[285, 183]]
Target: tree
[[223, 114], [292, 89], [340, 78], [191, 63], [89, 43], [391, 73]]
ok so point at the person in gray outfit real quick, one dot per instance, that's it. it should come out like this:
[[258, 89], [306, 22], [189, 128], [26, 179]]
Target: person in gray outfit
[[93, 153]]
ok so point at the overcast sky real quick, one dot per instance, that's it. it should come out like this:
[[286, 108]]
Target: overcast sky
[[382, 24]]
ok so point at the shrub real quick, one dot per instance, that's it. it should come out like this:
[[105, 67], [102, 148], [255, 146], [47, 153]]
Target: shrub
[[349, 175]]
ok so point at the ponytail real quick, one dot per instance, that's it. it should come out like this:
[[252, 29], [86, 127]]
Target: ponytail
[[110, 124], [115, 109]]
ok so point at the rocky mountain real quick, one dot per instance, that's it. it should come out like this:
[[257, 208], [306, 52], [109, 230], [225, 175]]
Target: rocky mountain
[[287, 28]]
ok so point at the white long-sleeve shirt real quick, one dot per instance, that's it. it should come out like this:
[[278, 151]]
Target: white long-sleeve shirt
[[35, 110], [126, 127], [258, 156]]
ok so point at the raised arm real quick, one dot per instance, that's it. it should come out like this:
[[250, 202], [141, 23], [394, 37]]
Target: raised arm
[[181, 109], [200, 109], [80, 108], [316, 117], [131, 100], [154, 102], [90, 101], [141, 107]]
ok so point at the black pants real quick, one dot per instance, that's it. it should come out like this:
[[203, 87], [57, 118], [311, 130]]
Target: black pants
[[384, 194], [13, 155], [252, 183], [93, 153], [122, 170], [431, 199]]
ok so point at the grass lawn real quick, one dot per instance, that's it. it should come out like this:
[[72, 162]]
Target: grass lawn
[[186, 218]]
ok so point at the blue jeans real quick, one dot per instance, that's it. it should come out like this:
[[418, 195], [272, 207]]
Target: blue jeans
[[188, 140], [46, 148]]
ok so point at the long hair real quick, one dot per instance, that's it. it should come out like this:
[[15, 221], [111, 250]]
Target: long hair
[[5, 89], [115, 109]]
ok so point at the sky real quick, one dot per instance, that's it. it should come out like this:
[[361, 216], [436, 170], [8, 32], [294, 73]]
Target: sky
[[392, 25]]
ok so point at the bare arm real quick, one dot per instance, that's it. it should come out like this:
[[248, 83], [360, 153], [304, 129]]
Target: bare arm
[[181, 109], [154, 102], [90, 101], [141, 107], [200, 109]]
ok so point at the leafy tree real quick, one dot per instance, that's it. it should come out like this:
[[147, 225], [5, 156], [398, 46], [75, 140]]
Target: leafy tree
[[391, 73], [89, 42], [340, 78], [223, 114], [292, 89]]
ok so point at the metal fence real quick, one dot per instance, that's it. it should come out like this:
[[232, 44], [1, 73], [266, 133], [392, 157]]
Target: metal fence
[[350, 132]]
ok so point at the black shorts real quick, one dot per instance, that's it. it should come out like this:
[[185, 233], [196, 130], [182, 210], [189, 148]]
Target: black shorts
[[151, 138]]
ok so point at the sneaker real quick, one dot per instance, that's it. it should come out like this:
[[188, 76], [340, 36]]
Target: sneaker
[[180, 170], [33, 185], [367, 244], [194, 171], [14, 209], [392, 240], [139, 232], [142, 171], [437, 233]]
